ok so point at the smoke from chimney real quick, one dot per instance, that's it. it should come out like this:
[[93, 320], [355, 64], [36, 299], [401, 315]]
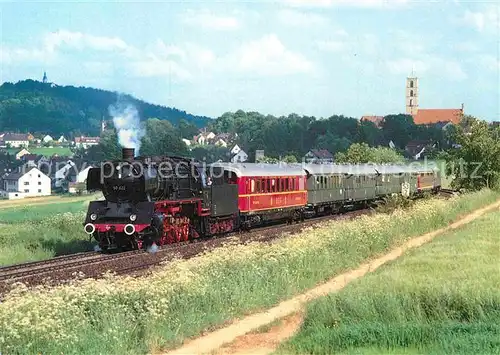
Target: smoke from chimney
[[128, 125]]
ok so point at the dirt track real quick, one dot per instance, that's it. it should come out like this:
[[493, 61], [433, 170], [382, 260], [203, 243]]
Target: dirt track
[[235, 339]]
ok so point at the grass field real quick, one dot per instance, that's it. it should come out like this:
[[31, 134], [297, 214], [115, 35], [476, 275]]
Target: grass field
[[118, 315], [443, 298], [62, 151], [42, 231]]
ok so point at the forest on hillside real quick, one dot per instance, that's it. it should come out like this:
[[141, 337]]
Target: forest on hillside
[[36, 107]]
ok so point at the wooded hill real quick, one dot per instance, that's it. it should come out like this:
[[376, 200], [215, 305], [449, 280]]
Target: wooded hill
[[33, 106]]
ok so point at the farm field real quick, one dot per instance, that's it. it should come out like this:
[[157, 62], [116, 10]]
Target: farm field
[[45, 200], [443, 298], [43, 230], [184, 298], [46, 151]]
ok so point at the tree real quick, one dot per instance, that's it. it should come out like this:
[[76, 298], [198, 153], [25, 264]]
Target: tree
[[290, 159], [362, 153], [357, 153], [210, 153], [187, 129], [476, 163], [399, 129], [369, 133], [162, 138]]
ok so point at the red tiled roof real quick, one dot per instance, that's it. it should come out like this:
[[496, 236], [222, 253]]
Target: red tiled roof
[[430, 116], [87, 139], [377, 120]]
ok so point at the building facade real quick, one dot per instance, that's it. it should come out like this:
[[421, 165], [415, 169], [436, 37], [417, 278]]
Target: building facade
[[28, 183]]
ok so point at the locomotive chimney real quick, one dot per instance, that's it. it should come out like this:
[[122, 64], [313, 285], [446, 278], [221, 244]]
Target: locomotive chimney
[[128, 153]]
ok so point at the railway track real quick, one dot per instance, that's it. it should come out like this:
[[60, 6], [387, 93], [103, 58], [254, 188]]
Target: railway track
[[448, 192], [93, 264], [52, 266]]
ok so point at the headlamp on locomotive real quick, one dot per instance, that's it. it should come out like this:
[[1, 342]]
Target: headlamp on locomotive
[[123, 219]]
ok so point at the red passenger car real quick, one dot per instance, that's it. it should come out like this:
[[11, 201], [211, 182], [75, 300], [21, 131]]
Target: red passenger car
[[267, 191]]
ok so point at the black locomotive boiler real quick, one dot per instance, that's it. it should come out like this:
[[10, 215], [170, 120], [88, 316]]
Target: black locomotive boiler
[[153, 201]]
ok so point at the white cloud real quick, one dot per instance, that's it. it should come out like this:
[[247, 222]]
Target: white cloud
[[156, 67], [170, 60], [207, 19], [490, 62], [81, 41], [299, 18], [404, 66], [20, 55], [426, 63], [98, 68], [352, 3], [331, 45], [341, 41], [268, 56], [155, 60], [487, 19], [468, 46]]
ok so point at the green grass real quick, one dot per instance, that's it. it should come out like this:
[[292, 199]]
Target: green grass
[[39, 232], [62, 151], [119, 315], [35, 213], [443, 298]]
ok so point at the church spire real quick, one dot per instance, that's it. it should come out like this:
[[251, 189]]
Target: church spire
[[45, 77]]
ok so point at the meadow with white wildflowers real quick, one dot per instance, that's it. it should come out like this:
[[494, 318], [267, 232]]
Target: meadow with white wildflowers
[[443, 298], [39, 232], [119, 315]]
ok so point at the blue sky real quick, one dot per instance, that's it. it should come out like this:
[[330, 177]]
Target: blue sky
[[316, 57]]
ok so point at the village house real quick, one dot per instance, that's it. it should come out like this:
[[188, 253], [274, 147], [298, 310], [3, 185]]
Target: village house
[[239, 157], [203, 138], [62, 139], [417, 149], [63, 171], [220, 142], [86, 142], [21, 153], [34, 160], [376, 120], [235, 149], [14, 140], [47, 139], [318, 156], [26, 182]]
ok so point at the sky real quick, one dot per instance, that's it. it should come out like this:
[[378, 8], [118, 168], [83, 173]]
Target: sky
[[316, 57]]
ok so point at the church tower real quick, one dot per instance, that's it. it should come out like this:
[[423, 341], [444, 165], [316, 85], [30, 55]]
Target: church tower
[[44, 78], [411, 94]]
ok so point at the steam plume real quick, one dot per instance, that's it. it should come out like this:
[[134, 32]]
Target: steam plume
[[128, 125]]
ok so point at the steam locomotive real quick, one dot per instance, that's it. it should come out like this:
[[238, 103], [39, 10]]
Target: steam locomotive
[[155, 201]]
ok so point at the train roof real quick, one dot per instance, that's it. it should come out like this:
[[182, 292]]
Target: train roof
[[261, 169], [367, 169], [352, 169]]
